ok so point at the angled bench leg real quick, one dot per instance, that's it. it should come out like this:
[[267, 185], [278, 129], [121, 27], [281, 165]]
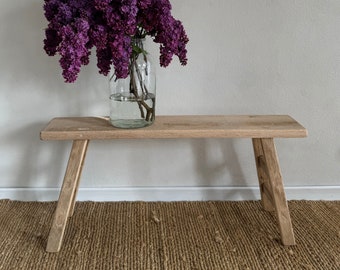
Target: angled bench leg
[[271, 167], [74, 199], [262, 173], [67, 195]]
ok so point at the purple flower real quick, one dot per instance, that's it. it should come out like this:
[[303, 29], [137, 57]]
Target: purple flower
[[75, 26], [104, 63]]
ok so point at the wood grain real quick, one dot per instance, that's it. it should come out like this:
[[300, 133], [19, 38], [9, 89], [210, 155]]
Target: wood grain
[[263, 176], [213, 126], [67, 195], [277, 191]]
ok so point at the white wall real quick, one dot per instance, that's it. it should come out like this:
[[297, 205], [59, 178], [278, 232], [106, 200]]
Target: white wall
[[245, 57]]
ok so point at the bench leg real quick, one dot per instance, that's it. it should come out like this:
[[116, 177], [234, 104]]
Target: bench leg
[[269, 166], [67, 195], [262, 173], [74, 199]]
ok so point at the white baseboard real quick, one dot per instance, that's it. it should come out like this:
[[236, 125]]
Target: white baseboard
[[170, 193]]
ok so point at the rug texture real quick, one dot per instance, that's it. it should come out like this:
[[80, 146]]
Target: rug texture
[[170, 235]]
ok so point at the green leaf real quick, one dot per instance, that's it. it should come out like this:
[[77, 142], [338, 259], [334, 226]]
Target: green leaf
[[138, 50]]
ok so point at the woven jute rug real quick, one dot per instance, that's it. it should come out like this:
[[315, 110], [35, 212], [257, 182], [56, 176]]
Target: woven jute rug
[[170, 235]]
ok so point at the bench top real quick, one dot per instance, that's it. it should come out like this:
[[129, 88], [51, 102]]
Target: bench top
[[167, 127]]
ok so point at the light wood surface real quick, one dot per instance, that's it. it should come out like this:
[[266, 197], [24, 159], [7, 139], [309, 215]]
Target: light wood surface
[[271, 186], [262, 129], [277, 191], [215, 126], [263, 176], [67, 195]]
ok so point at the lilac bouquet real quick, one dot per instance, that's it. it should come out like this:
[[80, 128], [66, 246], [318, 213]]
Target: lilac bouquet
[[76, 26]]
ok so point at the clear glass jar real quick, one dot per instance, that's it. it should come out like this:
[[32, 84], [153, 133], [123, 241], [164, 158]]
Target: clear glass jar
[[132, 100]]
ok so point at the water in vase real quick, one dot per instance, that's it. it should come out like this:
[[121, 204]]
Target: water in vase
[[129, 111]]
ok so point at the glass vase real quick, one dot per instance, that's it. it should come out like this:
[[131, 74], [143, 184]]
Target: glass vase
[[132, 99]]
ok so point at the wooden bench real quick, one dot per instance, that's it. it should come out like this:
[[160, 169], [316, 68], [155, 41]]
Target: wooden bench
[[262, 129]]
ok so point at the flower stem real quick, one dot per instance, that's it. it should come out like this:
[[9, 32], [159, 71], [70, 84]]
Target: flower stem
[[136, 78]]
